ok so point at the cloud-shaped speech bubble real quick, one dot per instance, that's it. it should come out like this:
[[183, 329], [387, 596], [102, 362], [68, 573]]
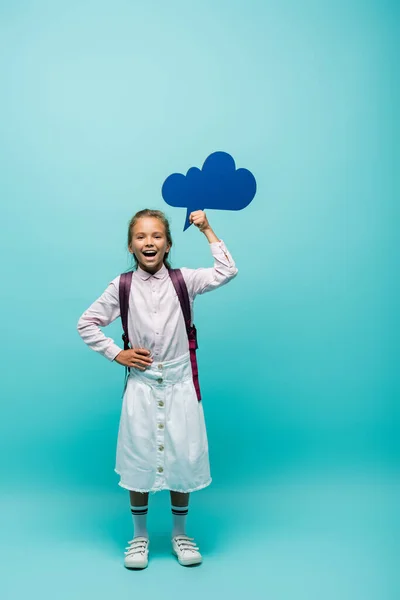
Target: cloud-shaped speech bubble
[[217, 185]]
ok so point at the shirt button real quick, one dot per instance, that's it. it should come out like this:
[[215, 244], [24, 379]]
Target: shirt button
[[161, 448], [161, 403], [160, 426], [159, 380], [160, 469], [160, 366]]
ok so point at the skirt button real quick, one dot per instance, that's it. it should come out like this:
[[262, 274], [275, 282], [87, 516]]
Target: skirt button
[[160, 426], [159, 380], [161, 403], [161, 448]]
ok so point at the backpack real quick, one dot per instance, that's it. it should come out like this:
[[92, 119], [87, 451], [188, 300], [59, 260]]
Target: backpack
[[182, 293]]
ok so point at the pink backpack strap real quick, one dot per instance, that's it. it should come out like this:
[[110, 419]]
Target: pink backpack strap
[[181, 290], [125, 281]]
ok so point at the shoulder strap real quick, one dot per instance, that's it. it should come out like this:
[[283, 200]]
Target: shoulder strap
[[124, 290], [181, 289]]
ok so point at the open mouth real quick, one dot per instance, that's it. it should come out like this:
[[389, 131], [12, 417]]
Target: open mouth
[[149, 253]]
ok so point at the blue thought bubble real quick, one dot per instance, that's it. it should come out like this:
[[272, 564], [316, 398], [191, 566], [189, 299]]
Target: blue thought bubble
[[218, 185]]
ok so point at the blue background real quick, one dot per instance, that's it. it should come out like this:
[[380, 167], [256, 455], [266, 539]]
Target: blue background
[[100, 102]]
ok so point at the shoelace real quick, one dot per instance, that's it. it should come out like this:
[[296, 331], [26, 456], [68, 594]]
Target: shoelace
[[186, 544], [136, 547]]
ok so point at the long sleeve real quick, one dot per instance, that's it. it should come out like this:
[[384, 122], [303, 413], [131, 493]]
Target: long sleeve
[[101, 313], [199, 281]]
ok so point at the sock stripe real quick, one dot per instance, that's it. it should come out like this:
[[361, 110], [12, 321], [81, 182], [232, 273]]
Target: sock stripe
[[179, 516], [139, 517], [139, 511]]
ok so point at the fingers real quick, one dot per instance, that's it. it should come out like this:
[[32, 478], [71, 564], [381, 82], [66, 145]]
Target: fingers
[[142, 355], [141, 363], [137, 366], [197, 214], [140, 359], [198, 218], [141, 351]]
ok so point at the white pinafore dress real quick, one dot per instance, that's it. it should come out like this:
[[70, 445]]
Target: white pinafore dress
[[162, 440]]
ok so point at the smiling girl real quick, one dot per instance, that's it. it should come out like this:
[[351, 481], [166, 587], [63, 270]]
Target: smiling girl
[[162, 440]]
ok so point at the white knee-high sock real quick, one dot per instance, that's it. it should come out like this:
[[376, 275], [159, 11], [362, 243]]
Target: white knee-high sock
[[139, 515], [179, 514]]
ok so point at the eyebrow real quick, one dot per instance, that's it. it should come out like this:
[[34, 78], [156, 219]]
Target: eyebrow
[[143, 233]]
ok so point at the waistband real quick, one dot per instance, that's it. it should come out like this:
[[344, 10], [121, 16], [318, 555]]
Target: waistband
[[170, 371]]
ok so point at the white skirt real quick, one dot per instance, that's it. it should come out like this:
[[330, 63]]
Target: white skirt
[[162, 440]]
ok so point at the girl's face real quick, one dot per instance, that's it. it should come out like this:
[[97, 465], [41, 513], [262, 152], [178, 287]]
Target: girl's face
[[149, 243]]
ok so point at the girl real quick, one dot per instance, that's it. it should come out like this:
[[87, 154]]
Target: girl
[[162, 440]]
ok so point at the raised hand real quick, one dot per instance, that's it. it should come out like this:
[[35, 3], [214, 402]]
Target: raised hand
[[199, 218]]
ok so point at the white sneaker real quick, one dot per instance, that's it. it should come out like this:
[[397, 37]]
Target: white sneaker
[[186, 550], [137, 553]]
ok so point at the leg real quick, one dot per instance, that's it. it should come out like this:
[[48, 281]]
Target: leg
[[137, 552], [139, 509], [180, 508], [139, 498], [179, 499], [183, 546]]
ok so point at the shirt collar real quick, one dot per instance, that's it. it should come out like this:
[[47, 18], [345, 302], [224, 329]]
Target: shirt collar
[[161, 273]]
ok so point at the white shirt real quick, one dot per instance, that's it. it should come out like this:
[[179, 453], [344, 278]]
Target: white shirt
[[155, 319]]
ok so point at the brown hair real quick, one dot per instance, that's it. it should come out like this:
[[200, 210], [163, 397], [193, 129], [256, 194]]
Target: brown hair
[[157, 214]]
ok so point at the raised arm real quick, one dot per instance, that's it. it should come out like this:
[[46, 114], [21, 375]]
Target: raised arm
[[200, 281]]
